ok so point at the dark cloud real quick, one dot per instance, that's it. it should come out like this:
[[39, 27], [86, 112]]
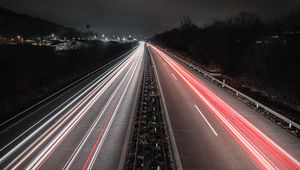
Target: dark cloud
[[143, 17]]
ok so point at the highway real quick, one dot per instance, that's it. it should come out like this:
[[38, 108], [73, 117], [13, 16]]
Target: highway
[[88, 126], [212, 129], [84, 128]]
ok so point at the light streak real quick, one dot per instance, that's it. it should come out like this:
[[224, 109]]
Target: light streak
[[265, 152]]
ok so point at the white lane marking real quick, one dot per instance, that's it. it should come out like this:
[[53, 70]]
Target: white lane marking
[[172, 137], [206, 120], [240, 137], [252, 126], [174, 76]]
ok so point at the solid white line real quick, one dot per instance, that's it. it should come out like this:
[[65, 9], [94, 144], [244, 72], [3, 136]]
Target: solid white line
[[206, 120], [170, 129], [174, 76], [256, 129], [240, 137]]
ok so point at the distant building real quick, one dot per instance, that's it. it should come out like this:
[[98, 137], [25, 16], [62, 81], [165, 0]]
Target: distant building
[[2, 39]]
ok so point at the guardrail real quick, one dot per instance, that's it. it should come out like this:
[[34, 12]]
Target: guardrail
[[237, 93]]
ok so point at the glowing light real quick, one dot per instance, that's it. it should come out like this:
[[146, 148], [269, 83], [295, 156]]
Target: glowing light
[[266, 153]]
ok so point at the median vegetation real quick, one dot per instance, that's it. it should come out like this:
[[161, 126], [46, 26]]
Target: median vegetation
[[149, 146]]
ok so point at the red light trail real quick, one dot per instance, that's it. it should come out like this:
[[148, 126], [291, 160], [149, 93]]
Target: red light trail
[[266, 153]]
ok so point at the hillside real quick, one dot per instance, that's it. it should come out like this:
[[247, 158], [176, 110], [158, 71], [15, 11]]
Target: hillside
[[260, 59], [12, 24]]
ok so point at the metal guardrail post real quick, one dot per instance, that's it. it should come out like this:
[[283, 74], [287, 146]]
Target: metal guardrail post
[[223, 83]]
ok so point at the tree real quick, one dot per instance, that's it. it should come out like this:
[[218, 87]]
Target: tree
[[187, 24]]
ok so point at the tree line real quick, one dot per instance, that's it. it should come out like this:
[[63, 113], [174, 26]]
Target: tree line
[[263, 55]]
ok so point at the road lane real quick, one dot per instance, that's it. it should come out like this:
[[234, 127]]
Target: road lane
[[198, 146], [61, 111], [87, 130], [75, 124], [237, 137], [25, 125]]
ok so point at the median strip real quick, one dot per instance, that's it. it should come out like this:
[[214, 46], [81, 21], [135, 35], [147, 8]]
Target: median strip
[[149, 146]]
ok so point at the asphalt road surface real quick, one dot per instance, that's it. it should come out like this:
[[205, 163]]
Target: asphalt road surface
[[86, 127], [213, 130], [83, 129]]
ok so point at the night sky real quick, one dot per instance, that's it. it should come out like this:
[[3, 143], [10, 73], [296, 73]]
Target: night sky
[[143, 17]]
